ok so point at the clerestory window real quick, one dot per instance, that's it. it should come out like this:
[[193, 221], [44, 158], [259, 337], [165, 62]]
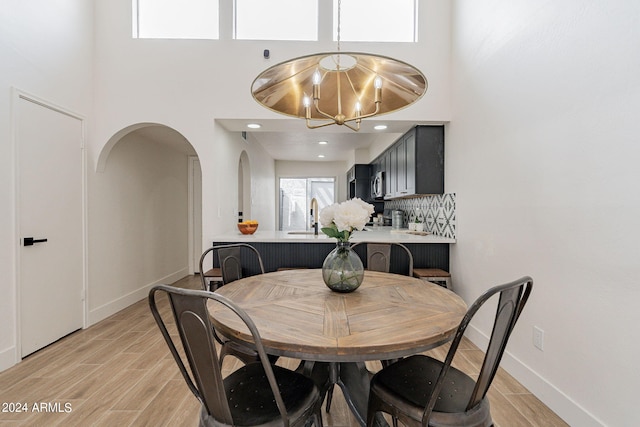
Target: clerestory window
[[276, 20], [175, 19], [298, 20]]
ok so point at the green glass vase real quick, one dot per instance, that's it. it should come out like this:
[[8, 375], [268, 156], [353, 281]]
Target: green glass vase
[[342, 270]]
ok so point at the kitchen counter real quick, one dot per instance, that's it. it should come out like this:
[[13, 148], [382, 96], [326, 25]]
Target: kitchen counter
[[371, 234], [281, 249]]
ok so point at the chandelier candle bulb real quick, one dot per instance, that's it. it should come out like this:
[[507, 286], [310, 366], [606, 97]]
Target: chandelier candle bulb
[[377, 84]]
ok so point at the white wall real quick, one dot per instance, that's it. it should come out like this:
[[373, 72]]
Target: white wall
[[542, 153], [138, 228], [46, 51], [223, 184]]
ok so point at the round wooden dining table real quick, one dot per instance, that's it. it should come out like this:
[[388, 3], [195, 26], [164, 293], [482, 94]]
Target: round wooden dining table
[[389, 316]]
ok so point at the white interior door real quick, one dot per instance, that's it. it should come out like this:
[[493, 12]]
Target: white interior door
[[50, 206]]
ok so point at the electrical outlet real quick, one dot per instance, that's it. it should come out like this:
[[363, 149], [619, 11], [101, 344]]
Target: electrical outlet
[[538, 338]]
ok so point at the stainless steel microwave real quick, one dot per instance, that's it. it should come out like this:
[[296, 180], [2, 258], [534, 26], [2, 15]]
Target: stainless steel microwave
[[377, 185]]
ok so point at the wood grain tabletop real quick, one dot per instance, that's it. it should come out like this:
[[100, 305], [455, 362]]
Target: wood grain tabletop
[[388, 316]]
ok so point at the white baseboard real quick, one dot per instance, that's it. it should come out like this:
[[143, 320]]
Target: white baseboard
[[572, 413], [7, 358], [106, 310]]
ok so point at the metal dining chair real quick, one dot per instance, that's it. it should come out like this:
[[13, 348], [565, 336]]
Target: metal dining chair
[[230, 270], [257, 394], [379, 256], [229, 260], [422, 391]]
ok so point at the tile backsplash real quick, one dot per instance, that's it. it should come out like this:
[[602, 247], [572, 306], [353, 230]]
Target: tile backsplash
[[437, 212]]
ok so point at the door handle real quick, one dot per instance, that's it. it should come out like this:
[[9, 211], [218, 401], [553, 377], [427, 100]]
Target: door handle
[[29, 241]]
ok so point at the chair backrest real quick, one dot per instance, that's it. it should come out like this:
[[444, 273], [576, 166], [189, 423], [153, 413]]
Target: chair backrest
[[229, 259], [204, 376], [512, 299], [379, 256]]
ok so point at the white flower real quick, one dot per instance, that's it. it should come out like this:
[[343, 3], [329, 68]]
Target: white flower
[[340, 219], [327, 214], [367, 206], [351, 215]]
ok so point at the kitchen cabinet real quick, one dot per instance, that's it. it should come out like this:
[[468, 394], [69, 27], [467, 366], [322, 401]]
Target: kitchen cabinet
[[401, 168], [414, 164], [392, 172], [359, 182]]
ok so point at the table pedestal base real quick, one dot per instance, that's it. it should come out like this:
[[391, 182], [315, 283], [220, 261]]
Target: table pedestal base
[[353, 378]]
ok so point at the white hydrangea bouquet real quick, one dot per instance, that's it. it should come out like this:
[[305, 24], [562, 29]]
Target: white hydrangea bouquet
[[340, 220]]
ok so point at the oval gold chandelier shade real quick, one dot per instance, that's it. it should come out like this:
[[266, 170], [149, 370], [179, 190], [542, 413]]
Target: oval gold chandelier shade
[[338, 87]]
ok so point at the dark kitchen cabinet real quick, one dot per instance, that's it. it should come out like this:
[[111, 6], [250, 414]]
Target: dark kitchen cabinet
[[428, 170], [359, 182], [401, 168], [414, 164], [392, 176]]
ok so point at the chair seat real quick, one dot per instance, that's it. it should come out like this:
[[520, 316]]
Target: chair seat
[[430, 272], [251, 400], [214, 272], [407, 384], [212, 278], [433, 275]]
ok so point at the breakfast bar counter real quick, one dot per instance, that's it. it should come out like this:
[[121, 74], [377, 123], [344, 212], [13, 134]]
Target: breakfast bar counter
[[369, 234], [282, 249]]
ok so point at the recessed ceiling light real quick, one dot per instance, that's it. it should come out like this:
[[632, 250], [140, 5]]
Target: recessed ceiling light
[[380, 127], [322, 142], [321, 156], [254, 126]]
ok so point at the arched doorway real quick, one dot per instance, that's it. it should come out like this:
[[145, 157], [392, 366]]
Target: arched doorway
[[145, 215]]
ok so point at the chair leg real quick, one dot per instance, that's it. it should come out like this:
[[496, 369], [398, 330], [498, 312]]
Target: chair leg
[[371, 417], [388, 362], [329, 397], [316, 419]]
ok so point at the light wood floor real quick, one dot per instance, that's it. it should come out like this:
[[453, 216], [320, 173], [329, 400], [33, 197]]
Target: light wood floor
[[119, 372]]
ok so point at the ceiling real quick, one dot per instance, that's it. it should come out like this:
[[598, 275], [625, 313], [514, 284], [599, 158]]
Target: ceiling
[[289, 139]]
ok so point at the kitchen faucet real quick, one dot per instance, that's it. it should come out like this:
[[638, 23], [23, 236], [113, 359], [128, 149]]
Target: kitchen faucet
[[314, 213]]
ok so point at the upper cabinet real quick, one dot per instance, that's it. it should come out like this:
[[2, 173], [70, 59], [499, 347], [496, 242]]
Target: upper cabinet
[[359, 182], [414, 164]]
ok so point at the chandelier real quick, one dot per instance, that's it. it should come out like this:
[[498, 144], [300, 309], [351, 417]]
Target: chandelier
[[339, 88]]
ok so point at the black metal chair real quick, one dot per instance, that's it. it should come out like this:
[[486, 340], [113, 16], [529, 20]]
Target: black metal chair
[[229, 271], [229, 258], [257, 394], [379, 256], [423, 391]]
